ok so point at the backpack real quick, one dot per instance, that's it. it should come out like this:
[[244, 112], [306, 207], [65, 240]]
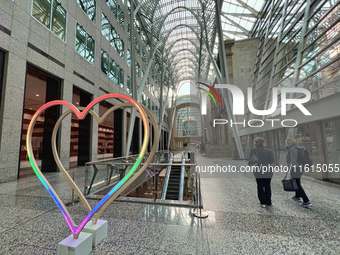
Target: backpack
[[303, 158]]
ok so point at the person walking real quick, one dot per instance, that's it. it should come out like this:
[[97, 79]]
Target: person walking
[[293, 151], [263, 178]]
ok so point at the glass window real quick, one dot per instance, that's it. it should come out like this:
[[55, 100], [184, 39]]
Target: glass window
[[120, 46], [112, 36], [58, 20], [137, 26], [42, 10], [120, 17], [137, 46], [117, 72], [137, 69], [89, 7], [113, 71], [121, 78], [85, 44], [105, 63], [149, 104], [80, 40], [129, 32], [128, 7], [106, 28], [143, 57], [128, 58], [90, 49], [143, 99], [113, 6], [128, 86]]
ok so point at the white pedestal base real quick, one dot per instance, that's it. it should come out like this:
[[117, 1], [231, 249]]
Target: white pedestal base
[[98, 231], [80, 246]]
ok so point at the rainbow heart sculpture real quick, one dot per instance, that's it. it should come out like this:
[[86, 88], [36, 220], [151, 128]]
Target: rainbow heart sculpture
[[119, 187]]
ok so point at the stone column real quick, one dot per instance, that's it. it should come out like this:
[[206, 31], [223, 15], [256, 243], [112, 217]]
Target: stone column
[[13, 102], [65, 128], [94, 136]]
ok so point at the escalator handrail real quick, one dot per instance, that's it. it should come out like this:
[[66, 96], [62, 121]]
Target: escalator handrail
[[166, 180], [181, 180]]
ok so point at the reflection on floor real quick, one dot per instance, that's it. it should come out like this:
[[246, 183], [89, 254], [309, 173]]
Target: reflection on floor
[[31, 223]]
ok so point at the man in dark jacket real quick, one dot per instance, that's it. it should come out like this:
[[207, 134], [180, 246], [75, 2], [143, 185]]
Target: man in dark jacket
[[296, 171]]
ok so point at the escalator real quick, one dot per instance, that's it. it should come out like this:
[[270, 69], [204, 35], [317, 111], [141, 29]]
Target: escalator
[[173, 185]]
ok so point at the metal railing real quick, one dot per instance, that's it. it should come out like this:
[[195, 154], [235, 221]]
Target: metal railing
[[181, 180], [199, 202], [121, 164], [115, 169]]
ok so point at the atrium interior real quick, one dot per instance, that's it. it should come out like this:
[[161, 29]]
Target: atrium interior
[[144, 114]]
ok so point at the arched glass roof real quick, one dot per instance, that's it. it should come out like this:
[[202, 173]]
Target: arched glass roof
[[183, 32]]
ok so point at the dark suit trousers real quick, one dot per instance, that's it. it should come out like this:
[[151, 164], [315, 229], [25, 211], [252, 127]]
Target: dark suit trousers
[[264, 192]]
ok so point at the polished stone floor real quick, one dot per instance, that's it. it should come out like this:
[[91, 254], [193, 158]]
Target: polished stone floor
[[31, 223]]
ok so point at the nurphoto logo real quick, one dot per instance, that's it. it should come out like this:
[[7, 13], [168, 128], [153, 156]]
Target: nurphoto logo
[[238, 104]]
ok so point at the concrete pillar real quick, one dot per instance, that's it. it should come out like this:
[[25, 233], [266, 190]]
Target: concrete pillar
[[13, 97], [65, 128], [94, 136]]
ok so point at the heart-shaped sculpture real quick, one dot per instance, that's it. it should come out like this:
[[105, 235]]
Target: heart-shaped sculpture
[[112, 194], [100, 120]]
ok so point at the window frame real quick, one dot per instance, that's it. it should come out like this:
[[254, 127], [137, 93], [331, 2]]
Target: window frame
[[75, 44], [95, 13], [50, 13]]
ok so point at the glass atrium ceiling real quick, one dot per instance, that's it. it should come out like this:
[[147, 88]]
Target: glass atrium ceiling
[[184, 32]]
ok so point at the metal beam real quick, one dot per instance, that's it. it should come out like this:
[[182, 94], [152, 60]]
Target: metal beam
[[137, 8], [225, 78], [234, 32], [237, 25], [139, 94], [173, 114], [252, 10], [275, 55], [160, 109], [248, 15]]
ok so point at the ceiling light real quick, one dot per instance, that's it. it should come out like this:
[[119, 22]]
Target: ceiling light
[[30, 108], [77, 103], [36, 95]]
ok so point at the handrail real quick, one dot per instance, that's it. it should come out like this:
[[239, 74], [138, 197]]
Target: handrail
[[123, 157], [199, 213], [181, 180], [166, 180], [110, 162], [110, 159], [124, 161]]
